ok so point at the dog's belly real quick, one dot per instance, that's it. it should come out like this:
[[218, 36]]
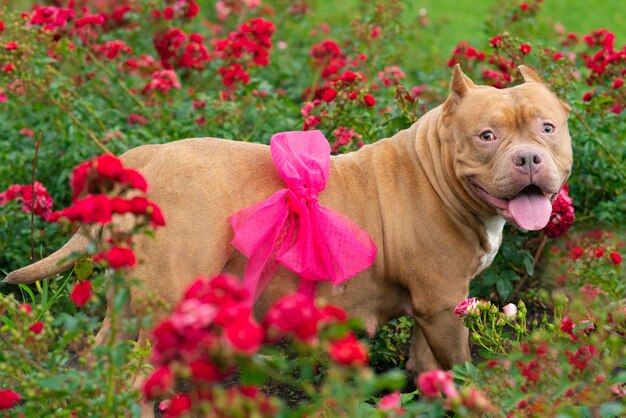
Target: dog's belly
[[375, 303]]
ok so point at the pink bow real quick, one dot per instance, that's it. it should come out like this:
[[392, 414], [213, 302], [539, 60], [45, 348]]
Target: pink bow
[[291, 227]]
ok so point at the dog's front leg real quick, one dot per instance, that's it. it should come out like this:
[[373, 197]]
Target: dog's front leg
[[446, 336], [421, 358]]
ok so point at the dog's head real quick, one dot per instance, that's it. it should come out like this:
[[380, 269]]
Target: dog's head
[[512, 149]]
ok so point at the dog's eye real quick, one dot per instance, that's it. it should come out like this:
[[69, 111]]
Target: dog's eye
[[547, 128], [487, 136]]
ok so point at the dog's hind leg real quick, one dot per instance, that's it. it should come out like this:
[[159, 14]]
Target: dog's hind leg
[[122, 333]]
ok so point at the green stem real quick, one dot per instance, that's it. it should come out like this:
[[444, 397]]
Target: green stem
[[32, 208], [111, 344]]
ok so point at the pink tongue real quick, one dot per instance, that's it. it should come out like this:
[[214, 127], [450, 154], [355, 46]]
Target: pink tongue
[[531, 211]]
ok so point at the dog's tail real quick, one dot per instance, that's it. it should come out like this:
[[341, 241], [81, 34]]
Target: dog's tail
[[51, 265]]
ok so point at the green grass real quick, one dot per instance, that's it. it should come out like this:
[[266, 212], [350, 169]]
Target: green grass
[[464, 20]]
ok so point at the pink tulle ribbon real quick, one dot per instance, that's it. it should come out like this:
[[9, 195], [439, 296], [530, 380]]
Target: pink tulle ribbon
[[291, 228]]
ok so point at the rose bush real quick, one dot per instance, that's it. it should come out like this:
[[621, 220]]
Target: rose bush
[[79, 78]]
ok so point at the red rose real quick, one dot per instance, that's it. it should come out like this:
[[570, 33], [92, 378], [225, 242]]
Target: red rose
[[179, 404], [193, 10], [222, 291], [349, 351], [79, 178], [119, 205], [332, 313], [158, 383], [135, 119], [91, 209], [138, 205], [295, 314], [110, 167], [8, 399], [166, 339], [369, 100], [496, 41], [616, 258], [348, 77], [156, 216], [202, 370], [168, 13], [563, 215], [40, 205], [118, 257], [576, 253], [329, 94], [525, 49], [37, 327], [434, 382], [244, 334], [81, 293], [582, 356], [567, 326], [134, 179]]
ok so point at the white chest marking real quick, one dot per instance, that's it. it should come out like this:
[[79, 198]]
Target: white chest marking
[[493, 228]]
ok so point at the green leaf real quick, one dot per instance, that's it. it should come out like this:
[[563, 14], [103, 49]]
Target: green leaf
[[252, 376], [391, 380], [489, 278], [612, 409], [30, 293], [7, 321], [509, 276], [527, 262], [504, 288], [120, 299], [407, 397], [465, 372]]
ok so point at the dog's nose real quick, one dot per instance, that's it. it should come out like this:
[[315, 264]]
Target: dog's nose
[[527, 160]]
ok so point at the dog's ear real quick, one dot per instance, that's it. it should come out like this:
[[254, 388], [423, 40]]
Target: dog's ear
[[530, 75], [460, 84]]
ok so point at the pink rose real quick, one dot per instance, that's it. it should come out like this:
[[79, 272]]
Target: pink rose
[[434, 382], [466, 307], [391, 403], [510, 311]]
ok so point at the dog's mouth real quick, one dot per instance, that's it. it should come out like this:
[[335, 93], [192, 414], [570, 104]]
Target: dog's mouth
[[529, 209]]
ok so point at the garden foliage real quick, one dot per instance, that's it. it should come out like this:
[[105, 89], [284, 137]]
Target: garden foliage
[[82, 78]]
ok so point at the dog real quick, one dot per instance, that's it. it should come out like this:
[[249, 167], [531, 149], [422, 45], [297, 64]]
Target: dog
[[434, 198]]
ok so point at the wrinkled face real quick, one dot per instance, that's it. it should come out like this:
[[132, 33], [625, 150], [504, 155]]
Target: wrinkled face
[[512, 149]]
